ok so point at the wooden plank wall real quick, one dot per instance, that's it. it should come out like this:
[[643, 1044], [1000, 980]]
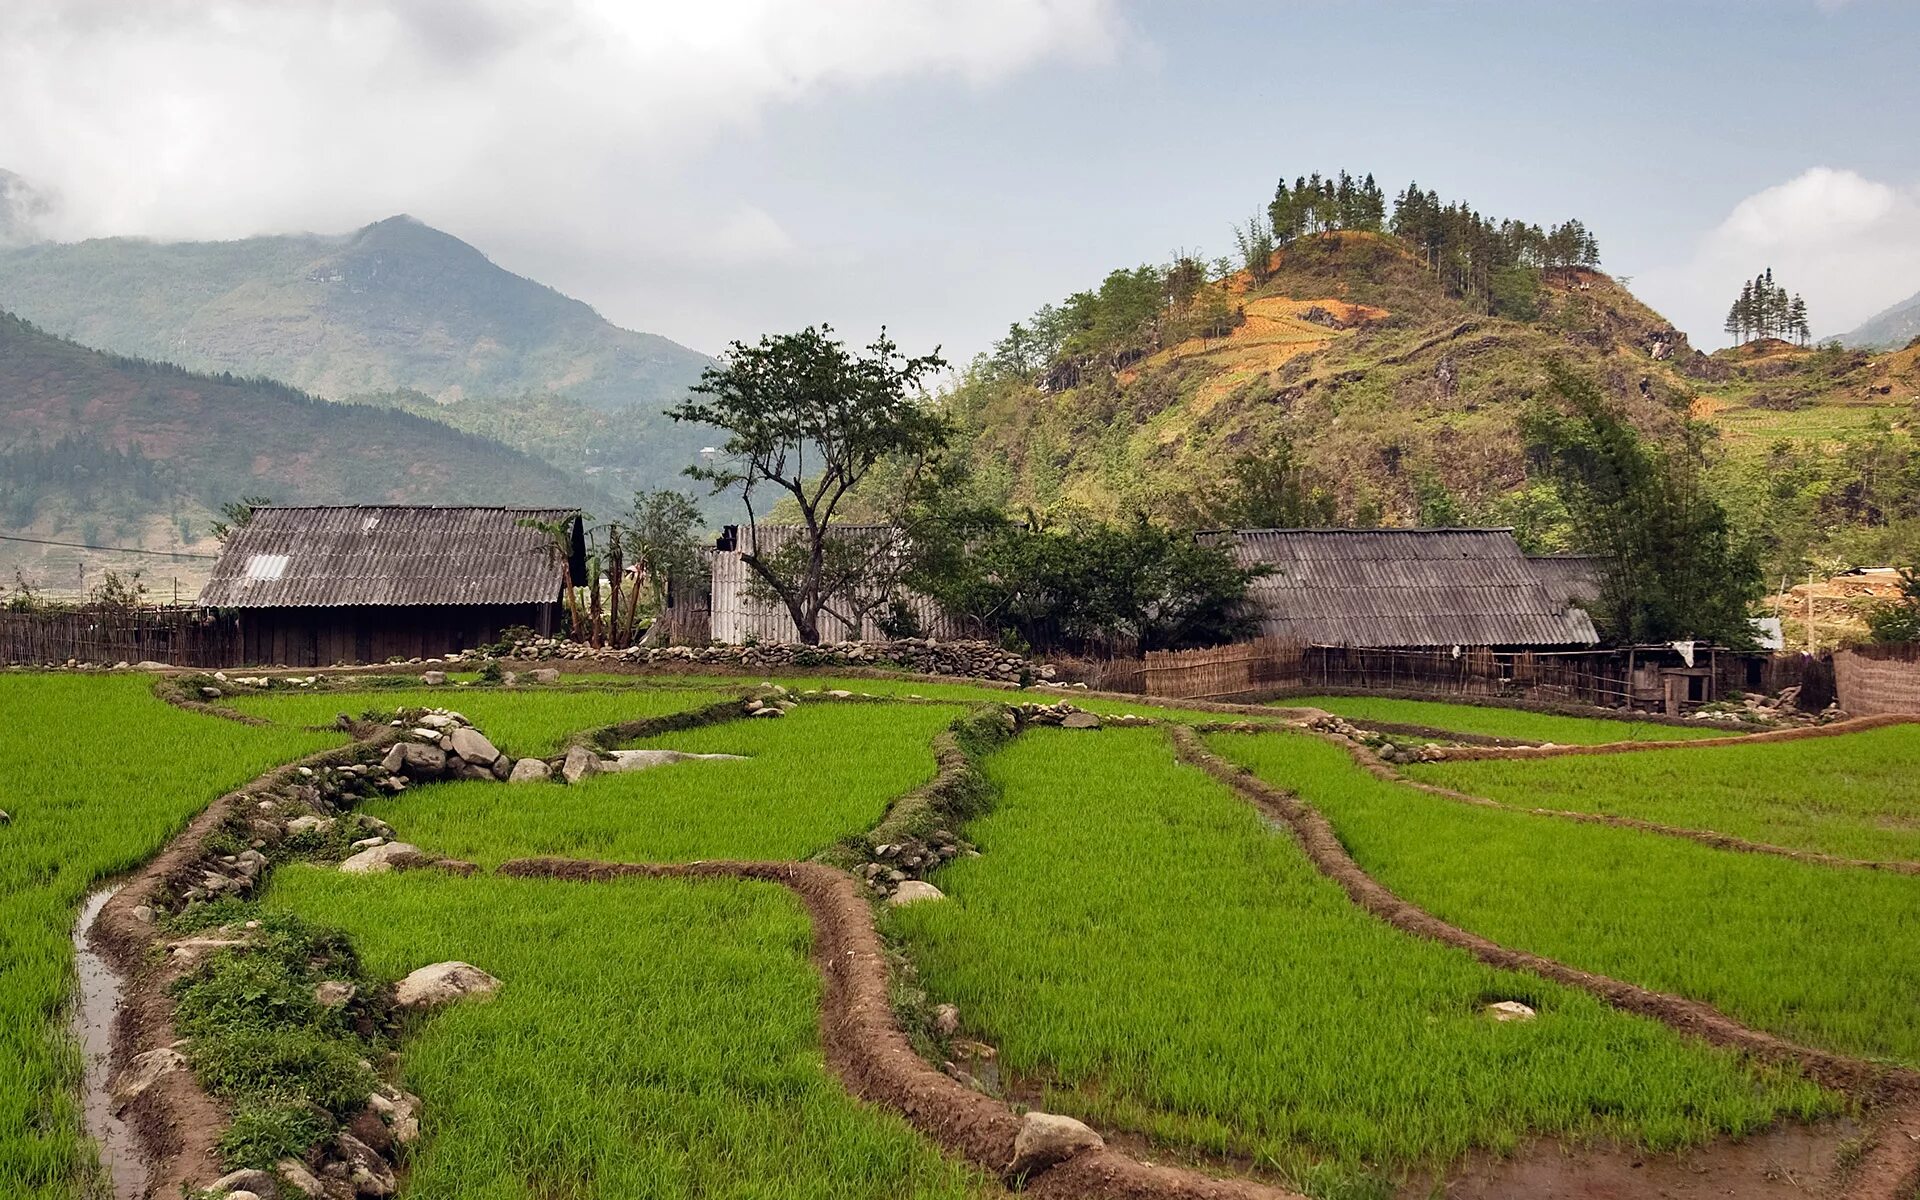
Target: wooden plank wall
[[178, 637]]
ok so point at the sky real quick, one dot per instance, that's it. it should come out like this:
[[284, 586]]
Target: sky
[[719, 170]]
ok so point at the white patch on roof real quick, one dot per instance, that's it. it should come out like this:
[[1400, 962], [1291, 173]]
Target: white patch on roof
[[267, 566]]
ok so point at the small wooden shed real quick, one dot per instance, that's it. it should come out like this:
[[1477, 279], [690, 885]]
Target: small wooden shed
[[314, 586]]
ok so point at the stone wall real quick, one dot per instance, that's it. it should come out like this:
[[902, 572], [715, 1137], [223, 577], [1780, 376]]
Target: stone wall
[[1869, 682], [926, 656]]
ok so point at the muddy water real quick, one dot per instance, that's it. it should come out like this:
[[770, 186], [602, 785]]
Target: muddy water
[[95, 1004]]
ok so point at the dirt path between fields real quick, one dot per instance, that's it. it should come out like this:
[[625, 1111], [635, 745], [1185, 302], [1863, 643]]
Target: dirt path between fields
[[873, 1058], [1887, 1170]]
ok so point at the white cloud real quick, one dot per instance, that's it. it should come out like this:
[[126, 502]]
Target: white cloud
[[1849, 244], [218, 118]]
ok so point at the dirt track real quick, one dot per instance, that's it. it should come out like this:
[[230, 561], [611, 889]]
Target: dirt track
[[873, 1057]]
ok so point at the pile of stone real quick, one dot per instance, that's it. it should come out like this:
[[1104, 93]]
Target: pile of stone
[[926, 656], [1066, 716], [1387, 748], [899, 868]]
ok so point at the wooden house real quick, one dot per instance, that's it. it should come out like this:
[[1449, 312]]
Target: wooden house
[[321, 585]]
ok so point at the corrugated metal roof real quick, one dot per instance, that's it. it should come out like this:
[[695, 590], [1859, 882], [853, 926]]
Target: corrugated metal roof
[[387, 555], [1575, 578], [1402, 587]]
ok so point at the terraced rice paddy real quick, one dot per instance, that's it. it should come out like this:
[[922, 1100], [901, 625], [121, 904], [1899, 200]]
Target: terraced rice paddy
[[1517, 724], [1825, 956], [650, 1038], [1140, 947], [1858, 797], [1137, 943], [809, 779], [97, 775]]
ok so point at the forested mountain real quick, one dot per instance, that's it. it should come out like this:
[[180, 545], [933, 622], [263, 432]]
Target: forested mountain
[[1889, 330], [105, 449], [1360, 363], [397, 304]]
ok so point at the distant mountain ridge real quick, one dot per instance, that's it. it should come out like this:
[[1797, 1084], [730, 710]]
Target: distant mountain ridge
[[1890, 329], [105, 449], [397, 305]]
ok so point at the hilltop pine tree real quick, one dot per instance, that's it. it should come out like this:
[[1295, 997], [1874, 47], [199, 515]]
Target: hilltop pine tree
[[1764, 310]]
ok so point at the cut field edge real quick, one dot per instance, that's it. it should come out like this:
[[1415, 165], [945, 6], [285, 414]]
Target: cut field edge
[[1382, 770], [1891, 1164]]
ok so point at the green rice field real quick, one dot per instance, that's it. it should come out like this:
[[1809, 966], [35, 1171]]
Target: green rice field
[[520, 722], [650, 1038], [97, 774], [823, 772], [1140, 946], [1494, 721], [1191, 977], [1825, 956], [1857, 797]]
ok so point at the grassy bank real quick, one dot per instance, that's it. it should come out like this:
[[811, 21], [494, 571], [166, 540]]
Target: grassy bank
[[810, 778], [1857, 796], [1826, 956], [98, 774], [650, 1038], [1134, 934], [1515, 723]]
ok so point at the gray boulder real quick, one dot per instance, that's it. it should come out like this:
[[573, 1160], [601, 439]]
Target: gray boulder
[[915, 891], [544, 675], [143, 1072], [530, 770], [252, 1183], [299, 1180], [1046, 1139], [433, 678], [369, 1173], [378, 860], [1080, 720], [469, 743], [579, 763], [441, 983], [420, 761]]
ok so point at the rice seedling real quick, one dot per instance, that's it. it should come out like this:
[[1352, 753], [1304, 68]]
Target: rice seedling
[[1825, 956], [1857, 796], [1141, 946], [1515, 723], [821, 773], [98, 774], [649, 1038], [521, 721]]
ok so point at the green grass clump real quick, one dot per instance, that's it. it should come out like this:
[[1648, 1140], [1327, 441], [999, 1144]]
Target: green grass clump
[[819, 774], [1825, 956], [1857, 796], [97, 775], [522, 722], [1494, 721], [649, 1038], [1135, 935], [258, 1038]]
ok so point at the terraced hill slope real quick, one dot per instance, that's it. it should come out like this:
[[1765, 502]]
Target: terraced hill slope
[[1402, 404]]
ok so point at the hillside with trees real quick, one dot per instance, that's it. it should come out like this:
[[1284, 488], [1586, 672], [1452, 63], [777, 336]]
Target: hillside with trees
[[110, 450], [1361, 361], [396, 312]]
